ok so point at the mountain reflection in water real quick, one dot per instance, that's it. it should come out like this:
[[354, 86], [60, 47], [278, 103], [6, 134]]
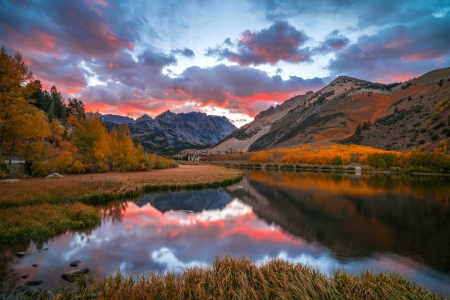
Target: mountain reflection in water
[[382, 223]]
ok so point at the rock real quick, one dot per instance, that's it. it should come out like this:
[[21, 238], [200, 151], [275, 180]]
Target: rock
[[10, 180], [54, 175], [25, 276], [34, 282], [72, 275], [21, 254], [75, 263], [45, 248], [35, 265]]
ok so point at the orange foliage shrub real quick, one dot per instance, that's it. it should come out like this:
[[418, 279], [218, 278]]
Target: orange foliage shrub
[[262, 157]]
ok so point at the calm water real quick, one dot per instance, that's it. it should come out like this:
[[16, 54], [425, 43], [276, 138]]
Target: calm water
[[381, 223]]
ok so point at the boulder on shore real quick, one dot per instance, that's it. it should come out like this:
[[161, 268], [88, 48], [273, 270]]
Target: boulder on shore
[[54, 175], [72, 275]]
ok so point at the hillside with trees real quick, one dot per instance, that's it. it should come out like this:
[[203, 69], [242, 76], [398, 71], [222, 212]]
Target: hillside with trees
[[52, 135]]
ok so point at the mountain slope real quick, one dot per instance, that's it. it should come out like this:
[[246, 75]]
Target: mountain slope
[[170, 133], [333, 113]]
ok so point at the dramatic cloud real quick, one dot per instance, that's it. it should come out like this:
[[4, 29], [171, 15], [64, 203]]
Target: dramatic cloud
[[333, 42], [398, 50], [129, 58], [186, 52], [229, 87], [279, 42]]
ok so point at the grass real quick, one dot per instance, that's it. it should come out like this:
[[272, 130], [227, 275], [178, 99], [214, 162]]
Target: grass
[[241, 278], [103, 187], [45, 220], [41, 208]]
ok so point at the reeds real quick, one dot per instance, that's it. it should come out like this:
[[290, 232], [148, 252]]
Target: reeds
[[242, 278], [46, 220]]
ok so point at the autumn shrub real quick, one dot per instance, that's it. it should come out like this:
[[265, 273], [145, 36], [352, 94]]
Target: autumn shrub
[[262, 157], [77, 167]]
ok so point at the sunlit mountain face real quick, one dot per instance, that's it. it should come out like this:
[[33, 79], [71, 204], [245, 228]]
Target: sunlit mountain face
[[329, 221], [219, 57]]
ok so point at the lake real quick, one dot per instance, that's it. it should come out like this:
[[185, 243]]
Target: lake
[[380, 222]]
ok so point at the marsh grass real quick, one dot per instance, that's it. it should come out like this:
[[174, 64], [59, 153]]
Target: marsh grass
[[103, 187], [45, 220], [241, 278], [42, 208]]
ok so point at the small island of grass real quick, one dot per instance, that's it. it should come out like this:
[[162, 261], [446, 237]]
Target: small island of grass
[[40, 208]]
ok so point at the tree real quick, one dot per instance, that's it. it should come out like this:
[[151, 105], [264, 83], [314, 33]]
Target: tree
[[75, 108], [57, 106], [358, 129], [16, 88]]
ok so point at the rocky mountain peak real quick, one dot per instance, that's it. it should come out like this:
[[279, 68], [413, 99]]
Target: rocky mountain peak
[[144, 118]]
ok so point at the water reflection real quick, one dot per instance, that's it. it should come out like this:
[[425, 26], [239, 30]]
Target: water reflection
[[382, 223]]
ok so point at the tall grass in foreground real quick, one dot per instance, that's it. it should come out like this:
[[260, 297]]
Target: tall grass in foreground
[[241, 278]]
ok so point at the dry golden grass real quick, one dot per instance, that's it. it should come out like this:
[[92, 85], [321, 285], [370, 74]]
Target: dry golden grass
[[97, 188], [38, 208], [241, 278]]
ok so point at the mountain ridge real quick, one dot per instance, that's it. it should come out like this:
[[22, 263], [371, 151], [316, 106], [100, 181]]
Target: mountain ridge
[[333, 113]]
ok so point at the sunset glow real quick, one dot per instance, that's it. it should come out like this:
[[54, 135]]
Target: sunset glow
[[130, 59]]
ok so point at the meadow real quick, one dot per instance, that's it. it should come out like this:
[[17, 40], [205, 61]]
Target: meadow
[[38, 207]]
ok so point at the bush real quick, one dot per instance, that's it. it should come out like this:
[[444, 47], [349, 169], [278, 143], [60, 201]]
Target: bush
[[434, 137], [337, 161]]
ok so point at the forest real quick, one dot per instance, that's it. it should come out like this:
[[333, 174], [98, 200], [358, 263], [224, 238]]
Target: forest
[[52, 135]]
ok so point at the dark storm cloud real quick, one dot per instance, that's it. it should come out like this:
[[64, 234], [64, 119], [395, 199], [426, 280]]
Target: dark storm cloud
[[396, 50], [280, 42], [186, 52]]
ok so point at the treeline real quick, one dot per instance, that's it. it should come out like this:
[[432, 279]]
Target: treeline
[[335, 155], [51, 135]]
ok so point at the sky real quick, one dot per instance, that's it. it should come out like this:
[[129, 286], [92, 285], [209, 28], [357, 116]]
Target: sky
[[230, 58]]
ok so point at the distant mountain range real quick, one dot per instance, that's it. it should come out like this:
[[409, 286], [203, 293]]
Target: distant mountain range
[[398, 116], [169, 133]]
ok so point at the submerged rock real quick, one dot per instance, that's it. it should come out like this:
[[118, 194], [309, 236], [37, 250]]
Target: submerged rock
[[72, 275], [25, 276], [21, 254], [75, 263], [34, 282]]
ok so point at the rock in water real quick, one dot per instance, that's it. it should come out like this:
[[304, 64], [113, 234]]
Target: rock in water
[[35, 265], [72, 275], [25, 276], [21, 254], [75, 263], [34, 282]]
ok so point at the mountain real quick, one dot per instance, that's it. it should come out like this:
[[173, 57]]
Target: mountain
[[402, 116], [116, 119], [169, 133]]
